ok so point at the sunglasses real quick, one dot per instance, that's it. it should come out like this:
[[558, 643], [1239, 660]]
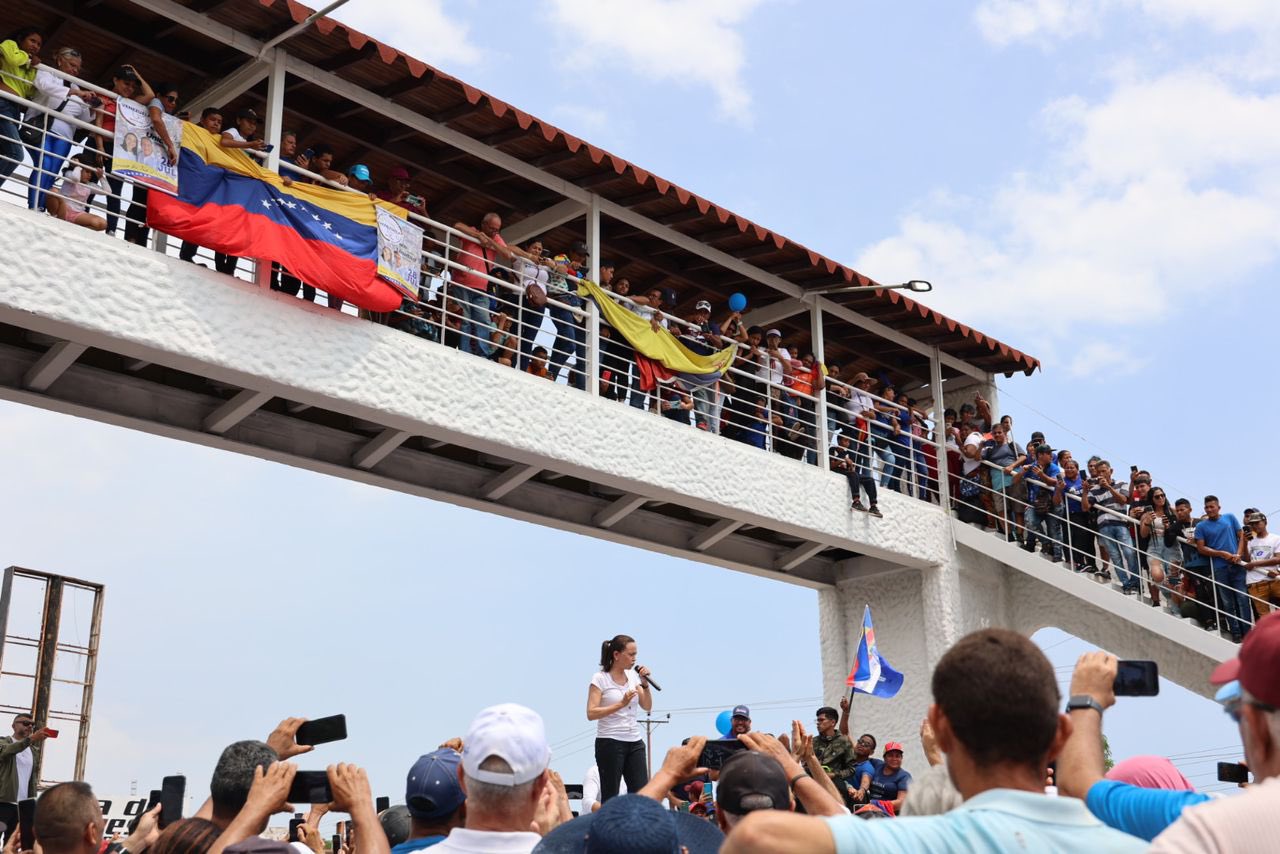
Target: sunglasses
[[1233, 708]]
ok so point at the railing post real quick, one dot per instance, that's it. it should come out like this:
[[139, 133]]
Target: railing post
[[271, 133], [940, 439], [592, 319], [820, 437]]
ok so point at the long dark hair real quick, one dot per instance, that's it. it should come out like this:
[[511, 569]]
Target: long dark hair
[[1169, 517], [610, 647], [22, 32], [188, 836]]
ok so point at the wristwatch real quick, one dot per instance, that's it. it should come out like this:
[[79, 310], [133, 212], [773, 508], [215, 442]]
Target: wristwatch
[[1083, 701]]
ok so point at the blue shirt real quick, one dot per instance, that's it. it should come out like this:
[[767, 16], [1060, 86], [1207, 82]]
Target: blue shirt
[[409, 846], [886, 786], [1075, 486], [1138, 811], [1033, 483], [1223, 534], [995, 821], [863, 768]]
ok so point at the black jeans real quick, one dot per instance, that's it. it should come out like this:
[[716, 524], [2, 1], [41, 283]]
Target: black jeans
[[617, 760]]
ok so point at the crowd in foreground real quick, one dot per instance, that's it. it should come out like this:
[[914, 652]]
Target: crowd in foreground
[[995, 729]]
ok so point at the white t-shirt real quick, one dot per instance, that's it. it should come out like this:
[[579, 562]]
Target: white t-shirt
[[24, 761], [1262, 548], [591, 789], [860, 402], [621, 725], [976, 440], [488, 842], [234, 133], [778, 365], [531, 273]]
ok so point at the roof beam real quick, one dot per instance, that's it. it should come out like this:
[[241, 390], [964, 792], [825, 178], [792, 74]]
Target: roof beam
[[618, 510], [376, 449], [462, 110], [508, 481], [767, 315], [713, 534], [544, 220], [789, 560], [595, 180], [235, 410], [230, 87], [52, 365]]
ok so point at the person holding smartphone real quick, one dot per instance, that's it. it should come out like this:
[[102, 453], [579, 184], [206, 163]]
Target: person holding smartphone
[[18, 755], [616, 693]]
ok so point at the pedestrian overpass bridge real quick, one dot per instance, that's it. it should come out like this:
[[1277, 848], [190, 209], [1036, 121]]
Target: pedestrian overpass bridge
[[104, 330]]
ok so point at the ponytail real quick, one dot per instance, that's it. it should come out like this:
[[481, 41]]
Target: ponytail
[[616, 644]]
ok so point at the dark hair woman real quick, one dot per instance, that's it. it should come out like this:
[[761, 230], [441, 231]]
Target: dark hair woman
[[188, 836], [615, 695], [1163, 552]]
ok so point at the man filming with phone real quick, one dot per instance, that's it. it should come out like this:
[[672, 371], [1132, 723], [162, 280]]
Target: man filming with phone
[[18, 756]]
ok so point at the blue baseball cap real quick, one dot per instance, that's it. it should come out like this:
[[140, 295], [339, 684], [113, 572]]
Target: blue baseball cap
[[432, 790], [741, 712], [360, 172]]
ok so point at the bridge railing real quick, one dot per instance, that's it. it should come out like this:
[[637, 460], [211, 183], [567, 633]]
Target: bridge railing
[[1106, 548]]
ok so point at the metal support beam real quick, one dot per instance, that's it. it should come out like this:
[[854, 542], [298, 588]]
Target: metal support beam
[[275, 109], [235, 410], [508, 481], [944, 478], [48, 657], [229, 88], [713, 534], [618, 510], [52, 364], [788, 561], [543, 220], [819, 354], [377, 448], [767, 315], [593, 311]]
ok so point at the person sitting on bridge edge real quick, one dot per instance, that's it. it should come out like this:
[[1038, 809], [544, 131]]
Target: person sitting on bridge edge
[[847, 461], [997, 752]]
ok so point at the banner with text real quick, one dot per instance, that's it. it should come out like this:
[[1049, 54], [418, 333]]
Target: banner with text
[[399, 253], [140, 154]]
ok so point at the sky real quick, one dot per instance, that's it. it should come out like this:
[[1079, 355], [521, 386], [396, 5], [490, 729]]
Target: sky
[[1092, 181]]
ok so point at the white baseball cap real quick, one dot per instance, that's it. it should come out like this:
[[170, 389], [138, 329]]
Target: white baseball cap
[[512, 733]]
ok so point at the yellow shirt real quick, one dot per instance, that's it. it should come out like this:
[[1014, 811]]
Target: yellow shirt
[[16, 70]]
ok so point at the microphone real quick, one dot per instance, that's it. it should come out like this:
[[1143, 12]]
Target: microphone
[[649, 680]]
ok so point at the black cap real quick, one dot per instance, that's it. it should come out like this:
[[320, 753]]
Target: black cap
[[247, 113], [125, 72], [752, 781]]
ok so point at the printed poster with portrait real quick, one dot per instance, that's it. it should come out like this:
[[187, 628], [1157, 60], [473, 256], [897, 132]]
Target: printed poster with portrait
[[399, 252], [140, 155]]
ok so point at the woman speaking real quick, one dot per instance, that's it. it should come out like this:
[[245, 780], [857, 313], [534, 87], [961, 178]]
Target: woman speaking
[[612, 699]]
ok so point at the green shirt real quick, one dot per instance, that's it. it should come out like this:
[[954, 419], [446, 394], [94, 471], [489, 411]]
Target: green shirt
[[836, 753], [16, 70]]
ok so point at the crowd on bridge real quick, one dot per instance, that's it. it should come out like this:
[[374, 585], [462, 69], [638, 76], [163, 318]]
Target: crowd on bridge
[[1008, 770]]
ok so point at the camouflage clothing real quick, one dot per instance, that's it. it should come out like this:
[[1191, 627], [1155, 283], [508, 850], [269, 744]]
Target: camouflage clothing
[[836, 754]]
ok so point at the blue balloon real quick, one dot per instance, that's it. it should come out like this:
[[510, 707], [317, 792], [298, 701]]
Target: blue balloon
[[724, 720], [737, 302]]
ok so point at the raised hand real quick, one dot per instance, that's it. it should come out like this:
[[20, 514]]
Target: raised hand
[[350, 787], [284, 739]]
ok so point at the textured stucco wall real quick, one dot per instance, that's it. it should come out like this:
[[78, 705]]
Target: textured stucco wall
[[101, 292]]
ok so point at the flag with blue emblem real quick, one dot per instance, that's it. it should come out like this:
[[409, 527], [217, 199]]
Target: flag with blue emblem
[[871, 674]]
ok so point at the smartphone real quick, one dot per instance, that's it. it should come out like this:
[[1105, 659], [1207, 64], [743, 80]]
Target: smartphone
[[1137, 679], [8, 819], [153, 799], [709, 789], [51, 733], [322, 730], [574, 791], [269, 147], [309, 153], [716, 752], [1233, 772], [310, 787], [1133, 469], [382, 804], [26, 824], [294, 823], [173, 791], [336, 842]]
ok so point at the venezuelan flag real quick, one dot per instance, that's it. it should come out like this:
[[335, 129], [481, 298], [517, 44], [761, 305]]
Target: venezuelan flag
[[228, 203]]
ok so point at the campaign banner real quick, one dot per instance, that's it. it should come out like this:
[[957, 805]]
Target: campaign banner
[[399, 253], [140, 155], [119, 812]]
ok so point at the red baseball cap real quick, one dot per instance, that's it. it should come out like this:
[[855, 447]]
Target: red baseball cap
[[1258, 664], [890, 746]]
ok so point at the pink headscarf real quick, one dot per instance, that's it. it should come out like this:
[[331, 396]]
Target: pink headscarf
[[1150, 772]]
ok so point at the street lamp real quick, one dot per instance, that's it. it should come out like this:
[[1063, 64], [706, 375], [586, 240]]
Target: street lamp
[[916, 286]]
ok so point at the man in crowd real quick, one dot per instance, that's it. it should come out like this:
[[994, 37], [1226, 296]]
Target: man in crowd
[[434, 796], [1079, 530], [398, 192], [834, 751], [704, 339], [1218, 539], [1260, 551], [1197, 580], [750, 781], [18, 755], [845, 460], [504, 774], [997, 751], [477, 252], [1111, 500], [233, 777], [1007, 456], [739, 721], [69, 820], [571, 341], [1044, 498], [359, 178]]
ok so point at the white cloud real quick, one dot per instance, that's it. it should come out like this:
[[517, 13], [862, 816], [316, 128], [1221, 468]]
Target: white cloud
[[687, 41], [422, 22], [1163, 189], [1003, 22], [1104, 359]]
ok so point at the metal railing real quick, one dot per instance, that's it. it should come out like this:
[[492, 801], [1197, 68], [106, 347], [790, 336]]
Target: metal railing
[[1101, 542]]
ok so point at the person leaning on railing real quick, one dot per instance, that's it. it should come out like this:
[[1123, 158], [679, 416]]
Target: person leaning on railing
[[67, 101], [1260, 550], [1111, 499], [161, 101], [19, 59]]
